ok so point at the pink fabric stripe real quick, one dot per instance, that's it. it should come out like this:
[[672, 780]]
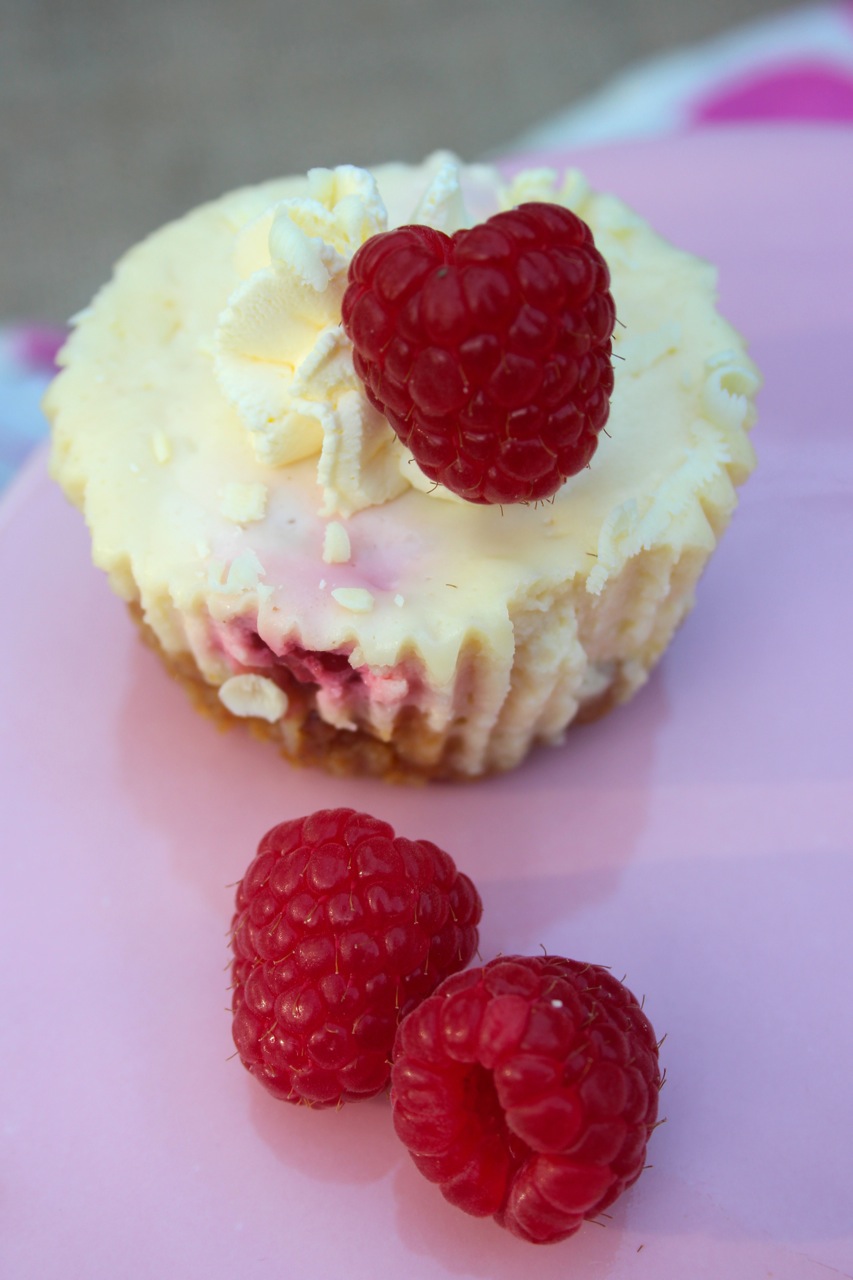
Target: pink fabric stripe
[[808, 90], [37, 346]]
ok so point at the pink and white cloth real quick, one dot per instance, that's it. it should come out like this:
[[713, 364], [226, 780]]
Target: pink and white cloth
[[796, 67], [27, 363]]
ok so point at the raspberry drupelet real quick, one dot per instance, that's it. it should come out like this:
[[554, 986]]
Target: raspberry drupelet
[[527, 1089], [341, 927], [488, 351]]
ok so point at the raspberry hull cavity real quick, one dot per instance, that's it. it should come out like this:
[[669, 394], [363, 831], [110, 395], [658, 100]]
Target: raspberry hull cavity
[[340, 929], [527, 1090]]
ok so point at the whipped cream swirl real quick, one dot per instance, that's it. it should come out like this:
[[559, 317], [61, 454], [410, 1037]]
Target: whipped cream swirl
[[281, 355]]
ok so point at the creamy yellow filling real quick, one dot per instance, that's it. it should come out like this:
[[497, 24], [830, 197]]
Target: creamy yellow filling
[[515, 613]]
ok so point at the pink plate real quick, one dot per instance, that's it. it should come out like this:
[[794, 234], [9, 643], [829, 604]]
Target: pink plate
[[698, 840]]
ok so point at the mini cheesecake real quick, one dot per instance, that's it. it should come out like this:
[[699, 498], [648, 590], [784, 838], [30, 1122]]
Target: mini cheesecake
[[282, 551]]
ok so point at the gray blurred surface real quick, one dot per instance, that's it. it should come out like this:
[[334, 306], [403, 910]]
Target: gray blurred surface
[[116, 116]]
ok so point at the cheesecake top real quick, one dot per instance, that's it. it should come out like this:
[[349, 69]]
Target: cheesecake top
[[209, 423]]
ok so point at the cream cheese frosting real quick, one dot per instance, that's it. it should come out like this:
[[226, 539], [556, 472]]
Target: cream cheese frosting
[[241, 490]]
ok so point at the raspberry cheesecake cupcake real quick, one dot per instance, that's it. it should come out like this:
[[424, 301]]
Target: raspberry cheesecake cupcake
[[408, 469]]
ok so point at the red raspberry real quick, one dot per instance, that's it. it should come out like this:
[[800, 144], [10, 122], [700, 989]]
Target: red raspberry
[[341, 928], [527, 1089], [488, 351]]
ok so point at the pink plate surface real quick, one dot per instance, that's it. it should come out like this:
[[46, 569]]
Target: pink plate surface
[[697, 840]]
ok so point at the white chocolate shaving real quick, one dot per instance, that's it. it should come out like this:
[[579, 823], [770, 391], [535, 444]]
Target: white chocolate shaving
[[253, 695], [336, 544], [355, 599], [244, 503]]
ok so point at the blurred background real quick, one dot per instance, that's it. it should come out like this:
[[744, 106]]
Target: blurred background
[[117, 115]]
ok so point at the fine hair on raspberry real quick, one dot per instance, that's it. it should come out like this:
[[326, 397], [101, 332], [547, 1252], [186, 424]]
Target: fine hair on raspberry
[[488, 351], [528, 1089], [341, 927]]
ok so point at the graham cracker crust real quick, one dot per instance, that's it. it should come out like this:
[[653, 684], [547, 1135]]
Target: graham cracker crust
[[305, 739], [416, 756]]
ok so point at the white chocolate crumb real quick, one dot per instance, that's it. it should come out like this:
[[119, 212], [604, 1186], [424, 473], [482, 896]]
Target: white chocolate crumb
[[336, 544], [252, 695], [241, 574], [399, 600], [161, 447], [356, 599], [244, 503]]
